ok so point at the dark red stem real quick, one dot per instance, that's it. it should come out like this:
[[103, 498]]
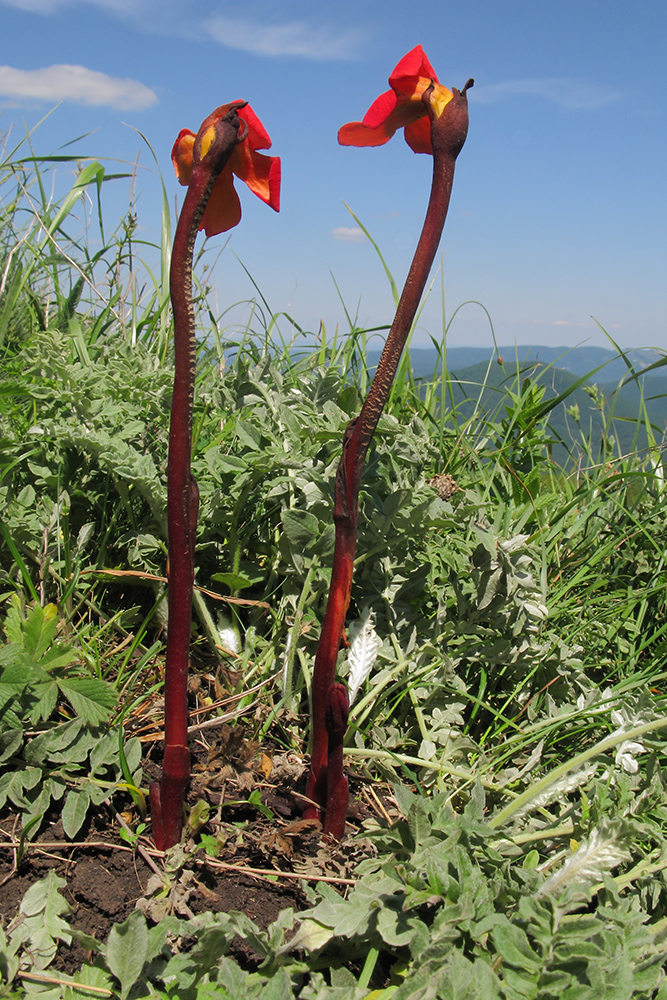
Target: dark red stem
[[337, 712], [448, 133], [167, 795]]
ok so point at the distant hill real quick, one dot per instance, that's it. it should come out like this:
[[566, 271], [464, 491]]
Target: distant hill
[[557, 369], [578, 360], [564, 426]]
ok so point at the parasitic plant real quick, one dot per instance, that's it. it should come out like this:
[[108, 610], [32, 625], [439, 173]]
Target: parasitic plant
[[435, 121], [226, 144]]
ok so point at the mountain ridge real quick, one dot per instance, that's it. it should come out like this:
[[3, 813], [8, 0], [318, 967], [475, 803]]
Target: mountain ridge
[[578, 360]]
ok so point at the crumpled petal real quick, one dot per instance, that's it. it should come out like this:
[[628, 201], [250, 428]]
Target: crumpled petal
[[181, 155], [401, 107], [223, 210], [384, 117], [380, 110], [357, 134], [258, 137], [418, 136], [411, 72], [260, 172]]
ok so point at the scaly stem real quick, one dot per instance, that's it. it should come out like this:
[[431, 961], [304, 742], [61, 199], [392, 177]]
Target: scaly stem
[[167, 795], [448, 134], [337, 713]]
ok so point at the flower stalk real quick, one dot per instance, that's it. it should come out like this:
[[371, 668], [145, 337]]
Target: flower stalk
[[448, 119], [213, 147]]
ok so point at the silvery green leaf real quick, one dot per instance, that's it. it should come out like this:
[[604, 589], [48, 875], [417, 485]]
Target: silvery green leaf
[[75, 811], [10, 741], [363, 651], [510, 545], [594, 857], [85, 534], [127, 949], [427, 749], [89, 975], [40, 925]]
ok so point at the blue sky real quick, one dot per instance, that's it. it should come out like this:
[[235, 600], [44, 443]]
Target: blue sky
[[558, 212]]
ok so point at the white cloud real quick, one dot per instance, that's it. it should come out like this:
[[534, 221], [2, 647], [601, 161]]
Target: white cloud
[[51, 6], [297, 38], [567, 92], [570, 322], [350, 234], [153, 15], [77, 85], [34, 6], [305, 38]]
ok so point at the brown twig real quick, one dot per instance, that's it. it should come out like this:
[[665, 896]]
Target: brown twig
[[155, 578], [139, 847], [64, 845], [221, 719], [41, 977], [275, 873]]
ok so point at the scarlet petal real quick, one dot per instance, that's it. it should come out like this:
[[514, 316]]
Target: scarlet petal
[[223, 210], [400, 107], [418, 136], [261, 173], [181, 155], [356, 134], [258, 137], [409, 70], [275, 174], [380, 109]]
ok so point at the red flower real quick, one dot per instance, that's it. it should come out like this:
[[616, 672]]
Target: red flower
[[261, 173], [401, 107]]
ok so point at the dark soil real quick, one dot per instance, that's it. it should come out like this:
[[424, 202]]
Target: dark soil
[[103, 885], [106, 878]]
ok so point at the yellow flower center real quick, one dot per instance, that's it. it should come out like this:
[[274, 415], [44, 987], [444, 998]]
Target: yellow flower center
[[440, 98], [207, 140]]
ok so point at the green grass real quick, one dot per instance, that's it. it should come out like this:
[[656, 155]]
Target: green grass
[[522, 621]]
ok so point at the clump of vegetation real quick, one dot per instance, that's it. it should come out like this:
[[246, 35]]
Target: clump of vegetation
[[513, 608]]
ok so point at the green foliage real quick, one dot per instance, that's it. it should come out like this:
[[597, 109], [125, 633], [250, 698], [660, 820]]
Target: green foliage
[[36, 671], [520, 621], [31, 940], [126, 951], [75, 761], [449, 905]]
